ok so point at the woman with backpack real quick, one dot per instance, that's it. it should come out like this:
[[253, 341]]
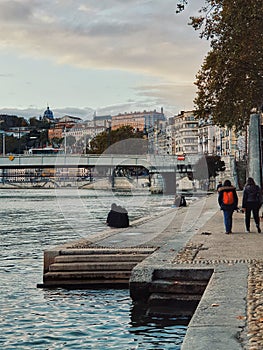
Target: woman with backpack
[[227, 200], [252, 200]]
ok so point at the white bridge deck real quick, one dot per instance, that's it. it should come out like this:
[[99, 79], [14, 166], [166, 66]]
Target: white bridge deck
[[154, 162]]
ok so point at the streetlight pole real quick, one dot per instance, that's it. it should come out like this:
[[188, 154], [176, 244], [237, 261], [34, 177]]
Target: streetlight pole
[[3, 142], [3, 138], [65, 140]]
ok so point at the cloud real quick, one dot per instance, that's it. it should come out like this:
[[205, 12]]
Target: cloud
[[132, 106], [6, 75], [169, 94], [15, 11], [136, 36], [83, 113]]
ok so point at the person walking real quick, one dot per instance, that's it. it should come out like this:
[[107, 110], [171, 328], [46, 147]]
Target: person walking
[[219, 185], [251, 202], [228, 201]]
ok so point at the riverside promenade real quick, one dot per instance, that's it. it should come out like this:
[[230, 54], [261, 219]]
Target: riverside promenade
[[229, 315]]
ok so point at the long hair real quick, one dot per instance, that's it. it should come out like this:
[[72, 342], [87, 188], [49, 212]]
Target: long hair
[[227, 183], [250, 181]]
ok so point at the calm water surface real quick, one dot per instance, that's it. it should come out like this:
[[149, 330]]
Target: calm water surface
[[32, 318]]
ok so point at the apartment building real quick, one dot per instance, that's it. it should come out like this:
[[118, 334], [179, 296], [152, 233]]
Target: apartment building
[[157, 142], [185, 134], [216, 140], [58, 128], [141, 121]]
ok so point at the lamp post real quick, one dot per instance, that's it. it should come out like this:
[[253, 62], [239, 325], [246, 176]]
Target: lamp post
[[109, 133], [221, 141], [65, 140], [3, 140]]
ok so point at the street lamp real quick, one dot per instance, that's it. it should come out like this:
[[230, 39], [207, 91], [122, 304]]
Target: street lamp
[[3, 140], [65, 140], [222, 136]]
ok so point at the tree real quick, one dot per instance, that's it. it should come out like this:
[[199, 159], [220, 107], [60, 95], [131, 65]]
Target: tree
[[10, 121], [70, 141], [230, 81], [43, 138], [56, 141], [39, 124], [207, 167], [101, 142], [11, 145]]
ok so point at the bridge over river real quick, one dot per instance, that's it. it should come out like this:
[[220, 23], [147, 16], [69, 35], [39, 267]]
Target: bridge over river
[[36, 169], [151, 162]]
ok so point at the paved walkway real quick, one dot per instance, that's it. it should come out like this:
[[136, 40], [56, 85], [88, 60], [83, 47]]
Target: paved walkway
[[223, 320], [230, 314], [239, 245]]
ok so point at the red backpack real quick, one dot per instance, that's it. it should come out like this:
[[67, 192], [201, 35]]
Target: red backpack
[[228, 197]]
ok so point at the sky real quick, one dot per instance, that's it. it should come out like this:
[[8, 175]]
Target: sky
[[103, 56]]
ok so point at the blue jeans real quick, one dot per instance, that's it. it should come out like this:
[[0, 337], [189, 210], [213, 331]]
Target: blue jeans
[[228, 214]]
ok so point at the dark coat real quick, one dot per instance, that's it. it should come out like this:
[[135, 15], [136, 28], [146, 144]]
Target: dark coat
[[230, 207], [252, 196], [118, 218]]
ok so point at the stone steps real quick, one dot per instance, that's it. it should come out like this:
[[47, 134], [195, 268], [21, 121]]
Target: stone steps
[[108, 251], [86, 279], [171, 299], [86, 284], [99, 258], [86, 275], [93, 267], [178, 286], [172, 304], [173, 292]]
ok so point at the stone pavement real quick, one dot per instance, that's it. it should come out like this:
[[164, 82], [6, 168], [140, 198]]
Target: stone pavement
[[238, 262], [230, 313]]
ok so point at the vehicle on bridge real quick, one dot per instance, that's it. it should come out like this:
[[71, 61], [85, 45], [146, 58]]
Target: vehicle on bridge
[[45, 151]]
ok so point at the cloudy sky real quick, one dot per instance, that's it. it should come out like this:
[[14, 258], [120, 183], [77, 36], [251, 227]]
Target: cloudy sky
[[108, 56]]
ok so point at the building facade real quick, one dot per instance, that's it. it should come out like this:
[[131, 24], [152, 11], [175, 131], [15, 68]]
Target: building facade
[[140, 121], [185, 133]]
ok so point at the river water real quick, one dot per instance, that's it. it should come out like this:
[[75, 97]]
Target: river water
[[31, 318]]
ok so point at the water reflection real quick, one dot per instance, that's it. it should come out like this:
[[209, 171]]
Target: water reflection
[[32, 318], [157, 332], [102, 320]]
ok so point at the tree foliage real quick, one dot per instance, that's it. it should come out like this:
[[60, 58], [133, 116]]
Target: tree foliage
[[208, 167], [230, 81], [41, 124], [7, 121], [102, 141]]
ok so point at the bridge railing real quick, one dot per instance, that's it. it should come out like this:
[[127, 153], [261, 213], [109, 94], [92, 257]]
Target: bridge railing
[[148, 161]]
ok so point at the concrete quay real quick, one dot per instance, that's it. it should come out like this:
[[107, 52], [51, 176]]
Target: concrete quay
[[187, 256]]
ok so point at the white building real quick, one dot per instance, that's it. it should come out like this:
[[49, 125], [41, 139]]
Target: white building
[[186, 133]]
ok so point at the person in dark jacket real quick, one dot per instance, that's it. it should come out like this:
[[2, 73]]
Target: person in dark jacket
[[228, 209], [117, 217], [252, 200], [219, 185]]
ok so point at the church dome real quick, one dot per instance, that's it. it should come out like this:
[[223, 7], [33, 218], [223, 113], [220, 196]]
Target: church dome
[[48, 113]]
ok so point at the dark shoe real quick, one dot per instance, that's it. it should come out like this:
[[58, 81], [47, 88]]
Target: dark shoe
[[227, 233], [259, 230]]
